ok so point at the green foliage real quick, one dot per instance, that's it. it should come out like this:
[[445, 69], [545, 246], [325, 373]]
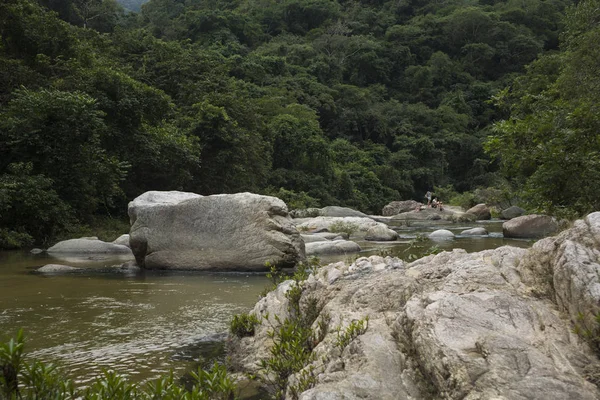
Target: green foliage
[[24, 379], [294, 339], [242, 325], [319, 102], [343, 227], [352, 331], [549, 145]]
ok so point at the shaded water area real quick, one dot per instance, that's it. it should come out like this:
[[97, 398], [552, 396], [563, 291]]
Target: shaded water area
[[147, 323]]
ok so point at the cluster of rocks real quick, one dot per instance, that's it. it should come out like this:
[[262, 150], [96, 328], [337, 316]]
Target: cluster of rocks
[[497, 324], [246, 232]]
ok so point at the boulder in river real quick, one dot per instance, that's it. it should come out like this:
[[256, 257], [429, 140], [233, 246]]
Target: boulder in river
[[530, 226], [397, 207], [441, 234], [381, 233], [86, 246], [330, 224], [496, 324], [512, 212], [481, 211], [226, 232], [332, 247], [475, 232]]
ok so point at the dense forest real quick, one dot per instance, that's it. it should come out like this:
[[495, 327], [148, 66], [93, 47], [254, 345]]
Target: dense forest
[[318, 102]]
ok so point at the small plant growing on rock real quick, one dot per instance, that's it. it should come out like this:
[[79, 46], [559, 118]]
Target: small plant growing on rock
[[344, 227], [243, 325], [354, 330]]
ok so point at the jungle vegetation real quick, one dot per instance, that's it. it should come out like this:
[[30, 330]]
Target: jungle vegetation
[[319, 102]]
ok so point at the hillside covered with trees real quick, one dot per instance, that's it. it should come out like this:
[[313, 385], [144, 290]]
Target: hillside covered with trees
[[318, 102]]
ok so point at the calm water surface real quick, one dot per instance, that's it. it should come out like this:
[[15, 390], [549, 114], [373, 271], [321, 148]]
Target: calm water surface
[[143, 325]]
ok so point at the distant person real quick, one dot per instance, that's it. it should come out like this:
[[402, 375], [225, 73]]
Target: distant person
[[434, 202], [428, 197], [441, 205]]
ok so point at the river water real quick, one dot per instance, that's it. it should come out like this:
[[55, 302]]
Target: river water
[[144, 324]]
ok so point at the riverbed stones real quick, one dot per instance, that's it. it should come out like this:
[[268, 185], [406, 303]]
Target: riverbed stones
[[397, 207], [332, 247], [381, 234], [88, 246], [530, 226], [441, 234], [313, 238], [475, 232], [227, 232], [453, 325], [512, 212], [481, 211]]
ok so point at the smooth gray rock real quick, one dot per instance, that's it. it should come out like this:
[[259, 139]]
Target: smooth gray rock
[[155, 198], [481, 211], [122, 240], [228, 232], [332, 235], [476, 326], [529, 226], [474, 232], [512, 212], [335, 211], [566, 269], [397, 207], [321, 224], [381, 233], [441, 234], [313, 238], [87, 246], [36, 251], [57, 268], [332, 247]]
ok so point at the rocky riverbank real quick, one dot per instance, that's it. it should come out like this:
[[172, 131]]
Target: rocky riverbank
[[498, 324]]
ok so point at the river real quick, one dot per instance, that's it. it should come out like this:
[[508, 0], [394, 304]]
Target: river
[[144, 324]]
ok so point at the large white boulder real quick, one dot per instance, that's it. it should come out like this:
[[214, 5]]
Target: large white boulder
[[226, 232], [498, 324]]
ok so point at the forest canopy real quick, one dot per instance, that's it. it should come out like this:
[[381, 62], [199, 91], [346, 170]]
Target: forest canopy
[[318, 102]]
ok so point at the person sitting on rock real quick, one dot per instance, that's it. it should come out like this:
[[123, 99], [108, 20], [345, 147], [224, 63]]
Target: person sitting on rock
[[434, 202]]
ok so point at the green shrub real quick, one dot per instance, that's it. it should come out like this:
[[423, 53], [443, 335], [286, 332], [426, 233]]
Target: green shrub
[[352, 331], [343, 227], [465, 200], [243, 325], [35, 380]]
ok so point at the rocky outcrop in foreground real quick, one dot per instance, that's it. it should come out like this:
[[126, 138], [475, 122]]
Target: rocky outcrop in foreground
[[497, 324], [243, 231]]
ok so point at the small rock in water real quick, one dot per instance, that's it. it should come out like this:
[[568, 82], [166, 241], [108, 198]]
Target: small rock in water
[[441, 234], [56, 268], [36, 251], [475, 232]]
